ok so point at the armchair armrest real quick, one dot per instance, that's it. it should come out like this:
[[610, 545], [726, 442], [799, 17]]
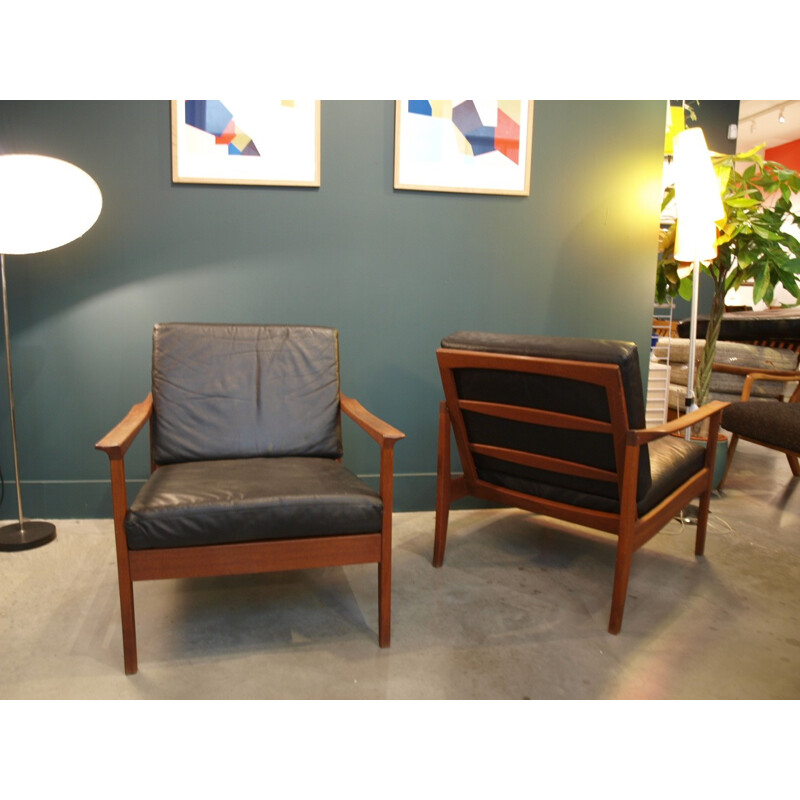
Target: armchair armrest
[[386, 436], [380, 431], [735, 369], [117, 441], [752, 377], [753, 374], [645, 435], [115, 444]]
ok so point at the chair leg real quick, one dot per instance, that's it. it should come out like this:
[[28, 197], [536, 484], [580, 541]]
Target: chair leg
[[731, 450], [702, 522], [440, 537], [385, 602], [442, 487], [622, 572], [120, 504], [385, 564], [792, 459], [128, 624]]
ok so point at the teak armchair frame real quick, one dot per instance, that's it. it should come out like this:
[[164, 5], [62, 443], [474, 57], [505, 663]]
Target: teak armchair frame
[[248, 557], [631, 529]]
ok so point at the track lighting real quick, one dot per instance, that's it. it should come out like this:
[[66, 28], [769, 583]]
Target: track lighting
[[779, 106]]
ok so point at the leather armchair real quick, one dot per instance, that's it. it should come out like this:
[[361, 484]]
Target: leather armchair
[[557, 426], [246, 446]]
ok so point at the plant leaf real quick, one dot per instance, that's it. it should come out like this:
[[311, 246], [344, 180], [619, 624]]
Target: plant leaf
[[760, 285], [765, 233], [742, 202], [685, 290]]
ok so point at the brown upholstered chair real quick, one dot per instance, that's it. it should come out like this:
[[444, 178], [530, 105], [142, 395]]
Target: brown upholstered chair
[[771, 423], [557, 426], [245, 439]]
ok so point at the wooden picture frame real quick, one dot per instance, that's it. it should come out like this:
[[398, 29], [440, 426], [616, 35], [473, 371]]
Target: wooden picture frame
[[251, 142], [471, 146]]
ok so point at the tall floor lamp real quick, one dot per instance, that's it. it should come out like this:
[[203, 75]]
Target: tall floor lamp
[[698, 203], [44, 203]]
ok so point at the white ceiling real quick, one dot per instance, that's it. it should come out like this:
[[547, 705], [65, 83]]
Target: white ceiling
[[758, 123]]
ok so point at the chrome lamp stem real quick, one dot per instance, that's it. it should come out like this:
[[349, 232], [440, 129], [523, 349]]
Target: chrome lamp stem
[[23, 535]]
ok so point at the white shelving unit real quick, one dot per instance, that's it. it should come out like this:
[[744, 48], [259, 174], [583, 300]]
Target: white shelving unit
[[657, 401]]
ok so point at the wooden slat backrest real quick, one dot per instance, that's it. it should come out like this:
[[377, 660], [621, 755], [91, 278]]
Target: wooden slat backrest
[[603, 375]]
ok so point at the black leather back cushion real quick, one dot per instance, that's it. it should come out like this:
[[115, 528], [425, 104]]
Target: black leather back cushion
[[552, 394], [242, 391]]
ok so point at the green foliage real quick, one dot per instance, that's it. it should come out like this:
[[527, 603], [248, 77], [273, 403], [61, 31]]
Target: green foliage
[[751, 244]]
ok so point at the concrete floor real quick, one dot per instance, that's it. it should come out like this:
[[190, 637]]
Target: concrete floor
[[518, 611]]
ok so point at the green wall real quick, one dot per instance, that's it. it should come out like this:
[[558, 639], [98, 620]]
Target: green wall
[[394, 271]]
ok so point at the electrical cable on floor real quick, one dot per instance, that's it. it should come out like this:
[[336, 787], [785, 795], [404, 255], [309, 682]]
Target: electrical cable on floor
[[688, 516], [728, 526]]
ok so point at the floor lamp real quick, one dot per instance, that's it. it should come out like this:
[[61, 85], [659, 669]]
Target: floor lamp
[[698, 203], [44, 203]]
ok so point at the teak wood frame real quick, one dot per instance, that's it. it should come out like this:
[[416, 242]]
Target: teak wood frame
[[632, 531], [248, 557]]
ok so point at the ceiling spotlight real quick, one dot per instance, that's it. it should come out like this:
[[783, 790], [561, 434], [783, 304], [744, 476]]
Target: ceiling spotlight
[[781, 118]]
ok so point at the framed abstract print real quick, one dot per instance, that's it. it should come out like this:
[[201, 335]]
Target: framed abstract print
[[473, 146], [260, 142]]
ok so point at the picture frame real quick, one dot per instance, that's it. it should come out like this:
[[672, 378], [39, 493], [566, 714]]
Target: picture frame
[[246, 142], [469, 146]]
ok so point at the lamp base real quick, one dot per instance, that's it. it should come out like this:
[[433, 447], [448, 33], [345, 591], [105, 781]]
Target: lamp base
[[31, 534]]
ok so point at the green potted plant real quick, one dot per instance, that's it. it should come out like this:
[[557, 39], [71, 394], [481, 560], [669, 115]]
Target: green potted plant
[[752, 244]]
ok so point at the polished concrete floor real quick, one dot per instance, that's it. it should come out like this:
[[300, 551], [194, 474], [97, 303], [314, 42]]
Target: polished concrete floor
[[519, 611]]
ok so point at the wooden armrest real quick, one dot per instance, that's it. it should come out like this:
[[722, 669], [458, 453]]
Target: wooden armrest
[[117, 441], [380, 431], [760, 375], [645, 435], [777, 374], [753, 374], [787, 377]]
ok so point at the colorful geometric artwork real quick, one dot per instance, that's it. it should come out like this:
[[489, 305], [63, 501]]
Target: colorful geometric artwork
[[263, 142], [213, 117], [464, 145]]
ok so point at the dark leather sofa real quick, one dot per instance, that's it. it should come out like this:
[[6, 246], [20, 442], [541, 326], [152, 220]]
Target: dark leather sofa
[[775, 327]]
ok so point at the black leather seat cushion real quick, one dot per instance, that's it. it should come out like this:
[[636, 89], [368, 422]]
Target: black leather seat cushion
[[254, 499], [770, 422]]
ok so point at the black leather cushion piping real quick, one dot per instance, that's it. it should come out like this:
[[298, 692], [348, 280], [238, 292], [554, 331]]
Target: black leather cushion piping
[[566, 396], [240, 500], [242, 391], [765, 421]]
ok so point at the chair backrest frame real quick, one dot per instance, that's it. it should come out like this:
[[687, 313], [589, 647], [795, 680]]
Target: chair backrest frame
[[606, 376]]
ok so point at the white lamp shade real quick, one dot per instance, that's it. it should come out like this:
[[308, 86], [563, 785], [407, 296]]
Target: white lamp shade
[[695, 240], [698, 200], [44, 203]]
